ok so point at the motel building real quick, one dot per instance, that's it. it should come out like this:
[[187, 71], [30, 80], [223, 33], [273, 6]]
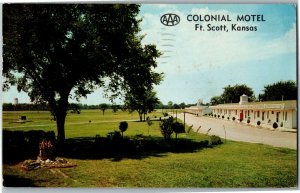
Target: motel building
[[265, 114], [199, 109]]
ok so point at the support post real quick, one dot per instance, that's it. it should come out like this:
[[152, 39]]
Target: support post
[[184, 119]]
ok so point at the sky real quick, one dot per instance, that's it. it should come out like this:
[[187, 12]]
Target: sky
[[199, 64]]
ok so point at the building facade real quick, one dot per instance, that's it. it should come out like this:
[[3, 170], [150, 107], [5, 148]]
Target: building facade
[[269, 113], [199, 109]]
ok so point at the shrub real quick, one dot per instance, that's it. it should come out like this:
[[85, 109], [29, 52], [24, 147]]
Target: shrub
[[258, 123], [248, 121], [275, 125], [222, 117], [177, 128], [215, 140], [281, 124], [165, 114], [218, 116], [123, 126], [227, 118], [233, 118], [114, 136], [215, 115], [165, 128]]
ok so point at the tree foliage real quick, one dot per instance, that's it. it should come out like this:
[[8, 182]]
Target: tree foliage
[[231, 94], [216, 100], [143, 102], [51, 50], [282, 90], [103, 107]]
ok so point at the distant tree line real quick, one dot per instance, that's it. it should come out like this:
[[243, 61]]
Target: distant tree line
[[282, 90], [74, 107]]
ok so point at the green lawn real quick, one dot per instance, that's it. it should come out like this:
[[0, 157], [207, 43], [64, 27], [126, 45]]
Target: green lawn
[[234, 164]]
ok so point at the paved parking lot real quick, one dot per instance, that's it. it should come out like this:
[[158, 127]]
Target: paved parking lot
[[241, 132]]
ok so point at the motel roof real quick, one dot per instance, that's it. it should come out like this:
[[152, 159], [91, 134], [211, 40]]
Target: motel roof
[[267, 105]]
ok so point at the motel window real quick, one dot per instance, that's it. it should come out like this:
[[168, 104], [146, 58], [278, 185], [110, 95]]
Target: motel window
[[235, 112], [258, 113], [263, 116], [268, 115], [245, 114]]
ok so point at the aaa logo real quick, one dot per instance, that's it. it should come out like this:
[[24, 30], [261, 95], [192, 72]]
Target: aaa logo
[[170, 19]]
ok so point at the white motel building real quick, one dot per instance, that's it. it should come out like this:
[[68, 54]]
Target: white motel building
[[199, 109], [283, 113]]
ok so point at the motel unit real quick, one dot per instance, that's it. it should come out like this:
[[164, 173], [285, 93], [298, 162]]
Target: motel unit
[[284, 113], [199, 109]]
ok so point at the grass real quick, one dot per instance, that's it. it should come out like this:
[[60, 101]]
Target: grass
[[230, 165]]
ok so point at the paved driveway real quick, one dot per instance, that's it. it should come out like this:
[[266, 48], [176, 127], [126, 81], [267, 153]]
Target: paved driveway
[[241, 132]]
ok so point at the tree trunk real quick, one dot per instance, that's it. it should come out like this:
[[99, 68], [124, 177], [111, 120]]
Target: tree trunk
[[141, 116], [61, 113], [60, 123]]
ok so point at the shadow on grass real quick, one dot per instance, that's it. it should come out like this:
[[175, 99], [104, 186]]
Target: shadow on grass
[[137, 147], [16, 149], [16, 181]]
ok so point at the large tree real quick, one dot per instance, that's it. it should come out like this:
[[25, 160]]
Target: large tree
[[103, 107], [143, 102], [51, 50], [231, 94], [282, 90]]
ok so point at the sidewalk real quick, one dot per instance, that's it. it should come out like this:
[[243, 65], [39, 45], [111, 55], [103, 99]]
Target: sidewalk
[[241, 132]]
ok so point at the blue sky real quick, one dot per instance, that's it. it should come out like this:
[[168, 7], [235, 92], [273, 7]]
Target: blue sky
[[199, 64]]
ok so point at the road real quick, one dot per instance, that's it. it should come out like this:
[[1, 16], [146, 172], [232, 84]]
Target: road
[[241, 132]]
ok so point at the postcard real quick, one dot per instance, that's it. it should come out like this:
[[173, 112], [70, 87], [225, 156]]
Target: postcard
[[150, 95]]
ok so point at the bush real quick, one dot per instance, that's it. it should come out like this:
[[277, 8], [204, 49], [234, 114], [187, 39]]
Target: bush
[[123, 126], [215, 115], [215, 140], [222, 117], [114, 136], [233, 118], [248, 121], [165, 128], [218, 116], [177, 128], [227, 118], [275, 125], [258, 123]]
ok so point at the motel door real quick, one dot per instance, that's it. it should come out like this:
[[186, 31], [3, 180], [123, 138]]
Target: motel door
[[241, 115]]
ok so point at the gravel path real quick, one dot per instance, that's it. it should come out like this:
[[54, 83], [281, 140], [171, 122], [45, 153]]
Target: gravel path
[[241, 132]]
